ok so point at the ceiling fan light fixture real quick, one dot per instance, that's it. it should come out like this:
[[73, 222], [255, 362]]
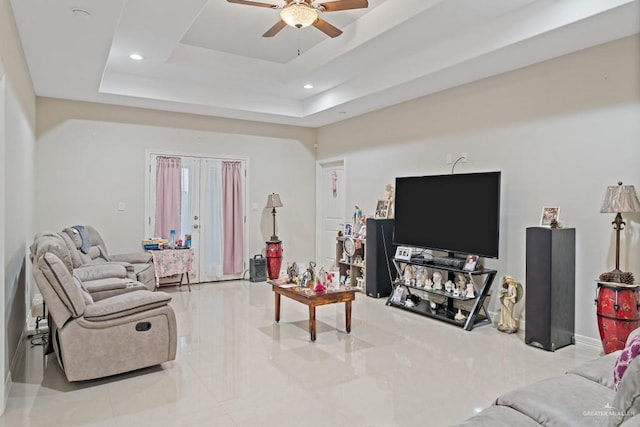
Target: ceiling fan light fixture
[[298, 15]]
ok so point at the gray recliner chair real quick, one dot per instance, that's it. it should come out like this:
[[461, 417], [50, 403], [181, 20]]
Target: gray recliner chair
[[94, 339], [138, 265]]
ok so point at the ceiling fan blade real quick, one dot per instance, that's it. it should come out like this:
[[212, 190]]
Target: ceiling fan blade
[[254, 3], [327, 28], [333, 6], [275, 29]]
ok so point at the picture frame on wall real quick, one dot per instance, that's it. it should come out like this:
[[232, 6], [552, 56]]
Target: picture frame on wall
[[382, 209], [549, 214]]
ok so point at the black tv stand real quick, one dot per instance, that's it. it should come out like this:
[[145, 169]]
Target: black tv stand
[[446, 310]]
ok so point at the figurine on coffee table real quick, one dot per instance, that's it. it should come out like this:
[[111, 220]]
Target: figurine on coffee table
[[320, 280], [292, 272]]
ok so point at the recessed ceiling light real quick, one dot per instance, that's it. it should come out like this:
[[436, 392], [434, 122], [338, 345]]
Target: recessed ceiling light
[[136, 57], [308, 86]]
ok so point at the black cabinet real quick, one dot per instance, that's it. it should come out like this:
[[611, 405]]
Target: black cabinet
[[378, 255], [550, 287]]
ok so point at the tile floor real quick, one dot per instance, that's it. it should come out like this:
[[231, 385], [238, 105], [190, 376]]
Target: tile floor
[[236, 367]]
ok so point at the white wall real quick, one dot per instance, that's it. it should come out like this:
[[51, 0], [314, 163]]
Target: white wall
[[85, 167], [17, 136], [560, 132]]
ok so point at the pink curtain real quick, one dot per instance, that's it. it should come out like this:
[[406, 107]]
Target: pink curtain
[[168, 195], [232, 217]]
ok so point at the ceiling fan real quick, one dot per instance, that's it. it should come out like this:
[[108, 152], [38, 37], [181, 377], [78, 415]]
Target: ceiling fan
[[302, 13]]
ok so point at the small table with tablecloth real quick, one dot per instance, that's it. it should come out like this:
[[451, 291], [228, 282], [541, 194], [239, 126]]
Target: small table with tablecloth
[[171, 262]]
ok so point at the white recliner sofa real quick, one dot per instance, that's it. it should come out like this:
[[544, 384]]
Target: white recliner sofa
[[94, 339], [91, 250]]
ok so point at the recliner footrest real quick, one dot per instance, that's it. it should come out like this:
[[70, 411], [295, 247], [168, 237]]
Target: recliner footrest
[[125, 305]]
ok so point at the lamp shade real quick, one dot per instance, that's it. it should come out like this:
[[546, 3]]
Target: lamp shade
[[273, 201], [298, 15], [620, 198]]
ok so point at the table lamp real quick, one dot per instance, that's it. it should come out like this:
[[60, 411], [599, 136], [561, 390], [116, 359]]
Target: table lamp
[[619, 199], [273, 202], [274, 245]]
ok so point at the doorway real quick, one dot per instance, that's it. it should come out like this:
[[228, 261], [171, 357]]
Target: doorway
[[331, 202], [202, 201]]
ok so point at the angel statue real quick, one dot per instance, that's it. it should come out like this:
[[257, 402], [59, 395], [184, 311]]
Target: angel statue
[[389, 194], [510, 294]]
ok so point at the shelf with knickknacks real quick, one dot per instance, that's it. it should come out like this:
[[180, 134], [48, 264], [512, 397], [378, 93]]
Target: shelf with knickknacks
[[350, 250], [424, 290]]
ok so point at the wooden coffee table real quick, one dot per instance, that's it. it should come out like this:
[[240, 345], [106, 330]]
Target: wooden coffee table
[[313, 299]]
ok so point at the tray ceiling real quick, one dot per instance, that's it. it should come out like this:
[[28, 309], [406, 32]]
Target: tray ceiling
[[208, 57]]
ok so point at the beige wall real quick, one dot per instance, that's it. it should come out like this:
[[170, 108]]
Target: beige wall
[[90, 157], [560, 131], [17, 137]]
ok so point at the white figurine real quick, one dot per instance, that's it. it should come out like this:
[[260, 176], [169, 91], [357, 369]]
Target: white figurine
[[509, 297], [357, 224], [437, 281], [470, 291], [389, 193], [459, 316], [448, 286], [409, 275], [428, 283]]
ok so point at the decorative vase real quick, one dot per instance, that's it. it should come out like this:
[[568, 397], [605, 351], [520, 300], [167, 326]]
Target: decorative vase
[[274, 259], [618, 314]]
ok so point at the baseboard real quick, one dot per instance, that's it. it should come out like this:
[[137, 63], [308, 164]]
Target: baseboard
[[581, 340], [588, 341], [8, 382], [19, 351]]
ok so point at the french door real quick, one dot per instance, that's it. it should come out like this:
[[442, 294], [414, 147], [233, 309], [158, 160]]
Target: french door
[[201, 214]]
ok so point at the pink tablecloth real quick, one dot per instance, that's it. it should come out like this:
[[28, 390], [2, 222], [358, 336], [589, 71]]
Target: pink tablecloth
[[168, 262]]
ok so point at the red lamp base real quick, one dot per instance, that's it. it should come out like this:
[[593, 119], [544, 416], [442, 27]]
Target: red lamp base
[[274, 259], [618, 314]]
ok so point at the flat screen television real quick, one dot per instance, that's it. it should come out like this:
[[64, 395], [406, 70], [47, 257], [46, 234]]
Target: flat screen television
[[457, 213]]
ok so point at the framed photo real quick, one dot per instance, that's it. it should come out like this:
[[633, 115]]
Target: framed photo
[[548, 215], [382, 209], [348, 229], [404, 253], [470, 263]]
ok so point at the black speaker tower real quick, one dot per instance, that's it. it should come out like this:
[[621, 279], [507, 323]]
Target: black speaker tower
[[378, 254], [550, 287]]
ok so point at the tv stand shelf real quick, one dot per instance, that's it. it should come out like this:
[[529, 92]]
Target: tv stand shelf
[[449, 303]]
